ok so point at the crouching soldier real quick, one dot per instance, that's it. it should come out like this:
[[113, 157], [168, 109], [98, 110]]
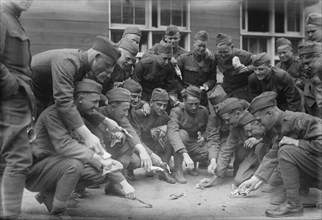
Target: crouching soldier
[[232, 111], [186, 128], [60, 154], [297, 150]]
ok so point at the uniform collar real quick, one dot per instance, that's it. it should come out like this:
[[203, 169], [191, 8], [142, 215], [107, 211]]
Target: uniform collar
[[87, 65], [279, 122], [12, 10]]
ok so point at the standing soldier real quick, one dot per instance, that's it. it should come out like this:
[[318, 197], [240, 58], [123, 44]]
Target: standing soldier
[[310, 55], [235, 64], [156, 72], [197, 67], [297, 148], [268, 78], [15, 109], [314, 27]]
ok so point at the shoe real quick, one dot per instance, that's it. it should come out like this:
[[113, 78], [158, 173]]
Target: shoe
[[285, 209], [267, 188], [129, 175], [193, 172], [113, 189], [79, 194], [72, 203], [46, 198], [304, 191], [149, 174], [165, 175], [178, 176], [279, 196]]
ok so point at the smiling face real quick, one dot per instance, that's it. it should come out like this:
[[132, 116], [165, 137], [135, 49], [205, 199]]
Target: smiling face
[[173, 40], [159, 107], [135, 99], [225, 51], [314, 33], [231, 118], [135, 39], [126, 60], [102, 63], [285, 53], [120, 110], [255, 129], [200, 47], [262, 71]]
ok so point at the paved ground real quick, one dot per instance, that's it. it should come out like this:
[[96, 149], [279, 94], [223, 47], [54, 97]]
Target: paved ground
[[211, 203]]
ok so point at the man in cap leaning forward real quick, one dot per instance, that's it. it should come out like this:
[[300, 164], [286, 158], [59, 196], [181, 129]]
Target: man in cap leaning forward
[[297, 149]]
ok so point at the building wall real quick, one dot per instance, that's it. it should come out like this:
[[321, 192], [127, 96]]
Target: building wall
[[53, 24]]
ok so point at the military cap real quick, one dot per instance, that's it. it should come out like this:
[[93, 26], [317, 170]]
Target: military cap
[[159, 94], [245, 118], [193, 91], [310, 47], [314, 19], [172, 30], [230, 104], [223, 39], [118, 95], [87, 85], [127, 44], [260, 59], [165, 50], [282, 41], [104, 45], [201, 35], [132, 85], [217, 95], [132, 30], [264, 100]]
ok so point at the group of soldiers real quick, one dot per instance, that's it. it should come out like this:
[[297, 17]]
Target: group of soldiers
[[72, 119]]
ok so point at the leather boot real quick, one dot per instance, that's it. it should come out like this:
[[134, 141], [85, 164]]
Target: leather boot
[[165, 175], [178, 171], [286, 209]]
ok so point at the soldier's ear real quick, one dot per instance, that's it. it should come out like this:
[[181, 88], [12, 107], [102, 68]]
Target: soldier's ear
[[80, 98]]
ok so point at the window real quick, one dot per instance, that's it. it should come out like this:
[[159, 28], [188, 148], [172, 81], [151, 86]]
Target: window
[[152, 17], [266, 20]]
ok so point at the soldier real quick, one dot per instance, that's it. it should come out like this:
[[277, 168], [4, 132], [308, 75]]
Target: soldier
[[60, 155], [133, 33], [54, 75], [197, 67], [124, 65], [297, 149], [16, 108], [269, 78], [314, 27], [121, 145], [235, 64], [288, 62], [248, 151], [156, 72], [186, 128], [172, 36], [310, 55]]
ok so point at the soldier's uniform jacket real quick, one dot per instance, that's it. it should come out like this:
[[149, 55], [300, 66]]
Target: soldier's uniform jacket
[[15, 56], [53, 137], [303, 127], [216, 133], [54, 75], [235, 138], [292, 67], [313, 96], [194, 74], [154, 50], [280, 82], [151, 75], [233, 80], [180, 119]]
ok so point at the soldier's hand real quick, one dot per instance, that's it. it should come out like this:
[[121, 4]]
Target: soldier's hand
[[212, 166], [250, 185], [111, 125], [201, 140], [288, 141], [250, 142], [120, 136], [188, 161], [173, 61], [145, 160], [242, 69], [128, 190], [93, 143], [156, 159], [146, 109]]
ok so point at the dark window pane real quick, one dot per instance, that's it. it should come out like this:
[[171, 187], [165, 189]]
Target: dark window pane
[[279, 17], [157, 37], [116, 35], [243, 15], [176, 13], [154, 14], [139, 12], [293, 16], [255, 45], [258, 16], [116, 12], [245, 44], [128, 12], [165, 13]]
